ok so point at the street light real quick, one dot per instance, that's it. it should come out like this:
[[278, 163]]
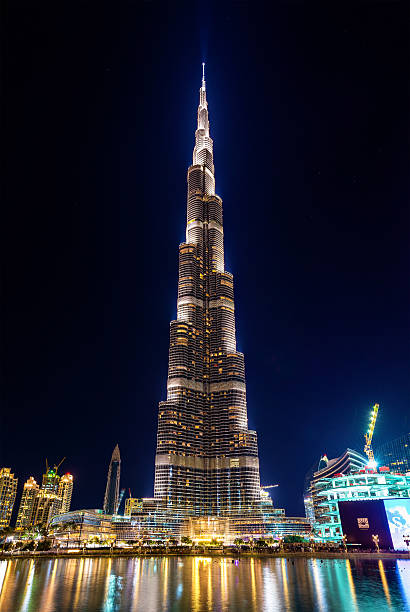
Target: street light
[[375, 539]]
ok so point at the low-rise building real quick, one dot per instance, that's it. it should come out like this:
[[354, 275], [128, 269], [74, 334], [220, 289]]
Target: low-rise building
[[365, 484]]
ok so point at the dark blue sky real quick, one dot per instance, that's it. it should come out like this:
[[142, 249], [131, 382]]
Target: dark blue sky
[[309, 109]]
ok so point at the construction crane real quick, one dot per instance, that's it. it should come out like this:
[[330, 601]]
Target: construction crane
[[368, 436], [55, 466], [269, 486]]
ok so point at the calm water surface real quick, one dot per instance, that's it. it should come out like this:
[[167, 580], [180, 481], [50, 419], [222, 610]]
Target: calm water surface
[[203, 584]]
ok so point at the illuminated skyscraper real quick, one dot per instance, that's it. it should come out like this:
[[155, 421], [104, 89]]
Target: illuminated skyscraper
[[65, 491], [395, 454], [207, 459], [25, 514], [8, 490], [112, 489], [47, 502]]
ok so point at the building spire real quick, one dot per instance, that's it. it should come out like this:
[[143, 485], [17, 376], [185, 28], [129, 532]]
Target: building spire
[[203, 75], [116, 454]]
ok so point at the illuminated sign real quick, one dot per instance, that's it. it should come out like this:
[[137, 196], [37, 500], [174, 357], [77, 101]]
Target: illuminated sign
[[398, 517], [363, 523]]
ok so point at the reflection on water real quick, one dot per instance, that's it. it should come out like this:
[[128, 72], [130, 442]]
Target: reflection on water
[[203, 584]]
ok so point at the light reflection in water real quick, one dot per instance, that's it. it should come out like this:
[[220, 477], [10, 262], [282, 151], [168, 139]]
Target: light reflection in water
[[317, 579], [28, 587], [203, 584], [384, 581], [285, 583], [351, 584]]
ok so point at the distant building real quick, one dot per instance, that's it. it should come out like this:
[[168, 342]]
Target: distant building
[[39, 505], [364, 484], [8, 490], [395, 454], [27, 504], [349, 461], [47, 502], [81, 526], [112, 490], [133, 505], [65, 491]]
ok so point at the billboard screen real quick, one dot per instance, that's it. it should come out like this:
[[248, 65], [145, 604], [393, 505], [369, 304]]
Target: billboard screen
[[398, 518], [362, 519]]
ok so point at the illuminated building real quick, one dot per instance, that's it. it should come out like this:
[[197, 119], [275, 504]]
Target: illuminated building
[[349, 461], [364, 484], [47, 502], [395, 454], [112, 490], [81, 526], [8, 490], [206, 459], [65, 491], [133, 505], [25, 514], [52, 498]]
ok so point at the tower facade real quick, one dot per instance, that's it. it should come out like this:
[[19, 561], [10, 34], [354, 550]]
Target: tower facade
[[112, 490], [206, 458], [8, 490], [65, 491], [25, 514]]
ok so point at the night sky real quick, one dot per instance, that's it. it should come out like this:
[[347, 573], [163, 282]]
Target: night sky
[[309, 110]]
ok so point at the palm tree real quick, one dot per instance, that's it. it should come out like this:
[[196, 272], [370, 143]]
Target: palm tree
[[186, 540]]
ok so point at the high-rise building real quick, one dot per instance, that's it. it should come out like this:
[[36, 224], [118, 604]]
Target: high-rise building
[[206, 459], [8, 490], [65, 491], [112, 490], [25, 514], [395, 454], [47, 502]]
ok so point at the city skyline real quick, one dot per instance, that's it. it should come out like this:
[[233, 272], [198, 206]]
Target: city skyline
[[310, 148]]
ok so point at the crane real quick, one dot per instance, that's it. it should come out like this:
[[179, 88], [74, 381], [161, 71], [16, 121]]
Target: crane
[[368, 436], [269, 486]]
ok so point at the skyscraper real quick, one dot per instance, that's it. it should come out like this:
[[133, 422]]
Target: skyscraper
[[65, 491], [8, 490], [395, 454], [112, 489], [47, 502], [25, 514], [206, 459]]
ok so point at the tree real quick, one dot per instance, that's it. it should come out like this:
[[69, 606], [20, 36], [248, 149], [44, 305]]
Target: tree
[[238, 542], [293, 539], [186, 540]]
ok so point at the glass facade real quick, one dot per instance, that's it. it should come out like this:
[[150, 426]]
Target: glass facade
[[395, 454]]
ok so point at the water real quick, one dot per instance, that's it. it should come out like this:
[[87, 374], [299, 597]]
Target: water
[[203, 584]]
